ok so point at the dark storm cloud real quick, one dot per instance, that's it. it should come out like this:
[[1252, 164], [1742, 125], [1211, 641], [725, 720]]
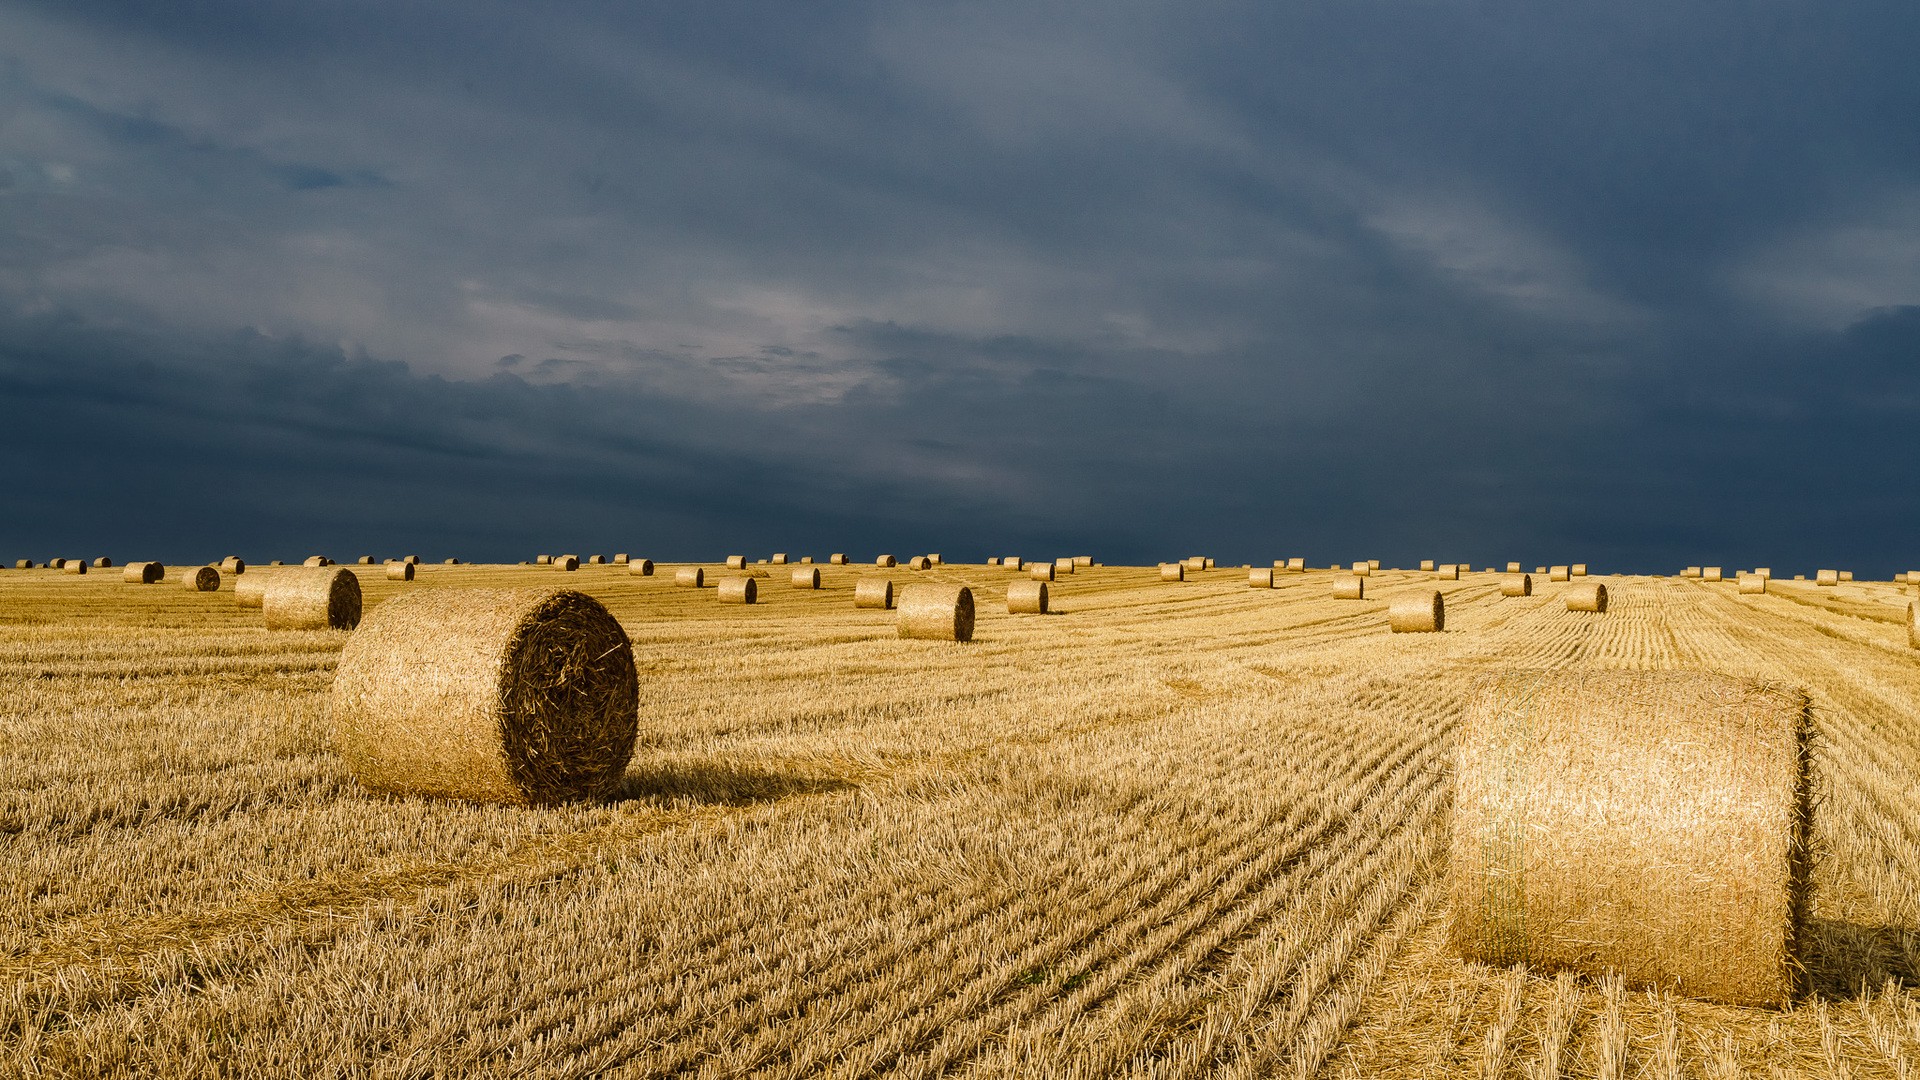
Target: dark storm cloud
[[1635, 284]]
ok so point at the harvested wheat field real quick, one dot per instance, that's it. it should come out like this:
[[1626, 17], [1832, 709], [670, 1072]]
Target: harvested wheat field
[[1171, 829]]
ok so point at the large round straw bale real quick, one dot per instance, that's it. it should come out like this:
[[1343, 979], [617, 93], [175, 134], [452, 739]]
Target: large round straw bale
[[779, 558], [1913, 577], [1653, 823], [1416, 612], [693, 577], [414, 559], [1827, 577], [1846, 575], [1299, 564], [806, 577], [1588, 596], [317, 560], [1084, 561], [1579, 569], [1373, 564], [936, 612], [1426, 564], [1349, 587], [74, 566], [1361, 569], [886, 562], [1027, 597], [233, 566], [1752, 583], [313, 598], [1173, 571], [621, 558], [1517, 585], [144, 573], [873, 593], [103, 563], [1711, 573], [1064, 566], [399, 571], [806, 560], [736, 562], [1560, 573], [1196, 562], [1260, 578], [57, 564], [1012, 562], [1513, 568], [250, 590], [567, 563], [1448, 572], [640, 567], [1041, 571], [1209, 564], [23, 564], [204, 579], [738, 590], [494, 695], [837, 559], [919, 562], [596, 560], [542, 560], [1913, 625], [276, 562]]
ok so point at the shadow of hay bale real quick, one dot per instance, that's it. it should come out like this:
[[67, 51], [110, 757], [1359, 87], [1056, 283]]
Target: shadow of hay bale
[[718, 783], [1843, 956]]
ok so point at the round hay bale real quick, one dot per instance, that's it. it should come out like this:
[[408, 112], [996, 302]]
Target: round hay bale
[[23, 564], [837, 559], [934, 558], [693, 577], [1827, 577], [1373, 564], [1028, 597], [204, 579], [1588, 596], [1560, 573], [738, 590], [1513, 568], [919, 562], [57, 564], [366, 560], [806, 560], [250, 590], [736, 562], [312, 598], [1173, 571], [1196, 562], [1012, 562], [1653, 823], [1846, 575], [1517, 585], [596, 560], [414, 559], [399, 571], [640, 567], [1751, 583], [1426, 564], [542, 560], [1349, 587], [233, 566], [74, 566], [1690, 572], [621, 559], [993, 560], [1579, 569], [1711, 573], [317, 560], [1041, 571], [519, 696], [1448, 572], [936, 612], [885, 562], [1913, 625], [103, 563], [1083, 561], [1361, 569], [1424, 611], [276, 562], [779, 558], [1209, 564], [1260, 578], [806, 577], [873, 593], [144, 573], [1297, 564], [1064, 566], [567, 563]]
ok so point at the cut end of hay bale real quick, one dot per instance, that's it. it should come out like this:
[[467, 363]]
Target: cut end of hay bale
[[1517, 585], [936, 612], [1588, 596], [738, 590], [640, 567], [1027, 597], [1349, 587], [144, 573], [692, 577], [312, 598], [873, 593], [806, 577], [520, 696], [203, 579], [1424, 611], [1260, 578], [1652, 823], [1173, 571], [399, 571]]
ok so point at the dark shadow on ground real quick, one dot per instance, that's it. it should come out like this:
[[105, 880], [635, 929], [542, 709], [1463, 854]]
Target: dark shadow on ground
[[1843, 956], [720, 783]]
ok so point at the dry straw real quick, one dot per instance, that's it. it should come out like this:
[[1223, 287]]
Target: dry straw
[[450, 562], [1690, 572], [886, 562], [1588, 596], [1064, 566], [1041, 571], [204, 579], [103, 563], [1711, 573], [1653, 823], [317, 560], [1752, 583], [993, 560], [936, 612], [1540, 570], [1418, 612], [934, 558], [640, 567], [250, 590], [693, 577], [1827, 577], [57, 564], [1513, 568], [1426, 564], [738, 590], [1913, 625], [1517, 585], [567, 563], [1012, 562], [873, 593], [414, 559], [74, 566], [542, 560], [1448, 572], [837, 559], [1027, 598], [806, 577], [233, 566], [312, 598], [622, 558], [23, 564], [919, 562], [1208, 564], [520, 696], [366, 560], [1297, 564], [143, 573], [1173, 571], [1846, 575], [1373, 564], [1196, 562], [736, 562], [596, 560], [806, 560], [399, 571], [1579, 569], [1260, 578], [1361, 569], [779, 558], [1560, 573], [1350, 587], [1085, 562]]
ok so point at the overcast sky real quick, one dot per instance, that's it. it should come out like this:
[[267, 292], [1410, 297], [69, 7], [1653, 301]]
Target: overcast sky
[[1634, 283]]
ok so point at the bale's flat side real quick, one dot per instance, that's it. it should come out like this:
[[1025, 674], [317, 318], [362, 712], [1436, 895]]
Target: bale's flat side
[[806, 577], [1751, 583], [1587, 596], [1421, 612], [738, 590], [1350, 587], [312, 598], [1827, 577], [399, 571], [498, 695], [1560, 573], [144, 573], [873, 593], [936, 612], [1260, 578], [1041, 571], [1027, 597], [692, 577], [640, 567], [567, 563], [203, 579], [1517, 585], [1448, 572], [1173, 571], [1651, 822]]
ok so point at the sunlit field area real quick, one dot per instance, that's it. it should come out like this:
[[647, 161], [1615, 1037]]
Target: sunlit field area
[[1170, 829]]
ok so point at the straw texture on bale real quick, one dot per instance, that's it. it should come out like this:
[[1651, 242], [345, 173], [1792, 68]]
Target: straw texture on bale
[[1373, 564], [567, 563], [450, 562], [1361, 569], [993, 560], [596, 560], [806, 577], [873, 593], [250, 590], [736, 562], [1913, 626], [519, 696], [23, 564], [1260, 578], [74, 566], [1711, 573], [1208, 564], [806, 560], [1297, 564], [1064, 566], [414, 559], [1690, 572], [640, 567], [693, 577], [399, 571], [1827, 577], [317, 560], [1448, 572], [1846, 575], [919, 562], [738, 590], [312, 598], [276, 562], [1173, 571], [1083, 561], [837, 560], [103, 563], [1027, 597], [1012, 562], [1041, 571], [1579, 569], [621, 559], [1196, 562], [1426, 564], [1517, 585], [542, 560], [57, 564], [1560, 573], [1752, 583], [1588, 596], [1350, 587], [143, 573], [233, 566], [1420, 612], [1654, 823], [886, 562], [936, 612], [204, 579], [1513, 568], [779, 558], [366, 560]]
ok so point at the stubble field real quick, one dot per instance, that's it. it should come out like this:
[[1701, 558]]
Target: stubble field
[[1173, 830]]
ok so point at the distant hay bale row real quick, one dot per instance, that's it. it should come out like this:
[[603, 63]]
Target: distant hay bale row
[[1517, 585], [1588, 596], [936, 612], [1654, 824], [1422, 611], [144, 573], [312, 598], [1027, 597], [873, 593], [518, 696]]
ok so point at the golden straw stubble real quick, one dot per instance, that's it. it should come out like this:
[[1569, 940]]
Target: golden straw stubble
[[1424, 611], [1654, 823], [521, 696], [312, 598], [936, 612]]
